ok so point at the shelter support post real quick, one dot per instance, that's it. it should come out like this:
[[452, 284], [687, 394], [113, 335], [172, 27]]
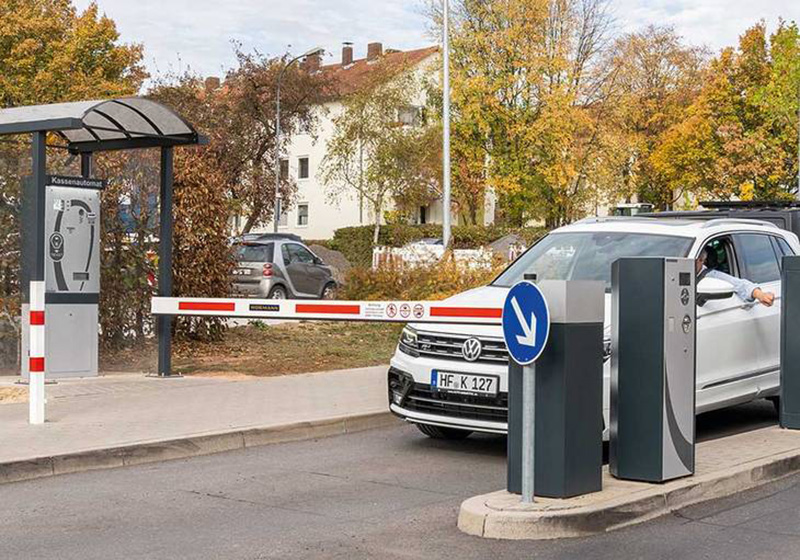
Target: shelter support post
[[36, 296], [164, 322], [86, 165]]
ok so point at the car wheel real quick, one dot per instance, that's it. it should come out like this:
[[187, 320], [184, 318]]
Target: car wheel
[[439, 432], [329, 290], [278, 292]]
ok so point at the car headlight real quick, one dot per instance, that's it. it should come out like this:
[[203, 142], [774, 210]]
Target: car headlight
[[408, 342]]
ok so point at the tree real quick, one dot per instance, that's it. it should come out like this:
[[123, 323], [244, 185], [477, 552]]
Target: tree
[[249, 142], [740, 136], [529, 85], [658, 77], [51, 53], [373, 153]]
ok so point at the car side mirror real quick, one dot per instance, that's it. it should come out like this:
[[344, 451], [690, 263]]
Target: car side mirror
[[318, 261], [713, 288]]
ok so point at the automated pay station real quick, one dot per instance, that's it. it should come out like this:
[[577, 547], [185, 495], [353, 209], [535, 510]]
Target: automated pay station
[[652, 369], [72, 275], [790, 349]]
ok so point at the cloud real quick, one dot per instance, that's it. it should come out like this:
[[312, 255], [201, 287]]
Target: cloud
[[197, 33], [714, 23]]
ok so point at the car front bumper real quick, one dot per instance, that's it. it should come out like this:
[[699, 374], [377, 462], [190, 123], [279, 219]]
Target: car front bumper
[[418, 404]]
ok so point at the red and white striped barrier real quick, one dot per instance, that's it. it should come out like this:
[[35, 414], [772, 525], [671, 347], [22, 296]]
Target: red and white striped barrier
[[331, 310], [36, 359]]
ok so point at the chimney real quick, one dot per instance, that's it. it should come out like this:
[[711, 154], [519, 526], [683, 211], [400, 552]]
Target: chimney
[[347, 54], [374, 51], [312, 62], [212, 83]]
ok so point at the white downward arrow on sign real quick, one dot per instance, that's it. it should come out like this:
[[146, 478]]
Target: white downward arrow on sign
[[529, 336]]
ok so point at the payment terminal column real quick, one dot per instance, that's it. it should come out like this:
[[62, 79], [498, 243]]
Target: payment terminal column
[[653, 322], [568, 410]]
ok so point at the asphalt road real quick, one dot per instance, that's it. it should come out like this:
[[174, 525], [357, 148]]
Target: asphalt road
[[389, 493]]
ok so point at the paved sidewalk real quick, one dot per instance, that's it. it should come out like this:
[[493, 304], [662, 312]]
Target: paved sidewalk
[[127, 410], [724, 467]]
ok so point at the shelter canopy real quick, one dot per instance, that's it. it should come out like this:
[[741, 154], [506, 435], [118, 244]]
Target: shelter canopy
[[111, 124]]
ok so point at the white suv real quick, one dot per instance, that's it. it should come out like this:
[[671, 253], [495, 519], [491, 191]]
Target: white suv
[[737, 341]]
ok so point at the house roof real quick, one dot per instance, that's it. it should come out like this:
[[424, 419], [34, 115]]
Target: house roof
[[351, 78]]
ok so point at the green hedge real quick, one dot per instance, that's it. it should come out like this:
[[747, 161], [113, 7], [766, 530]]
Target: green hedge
[[356, 242]]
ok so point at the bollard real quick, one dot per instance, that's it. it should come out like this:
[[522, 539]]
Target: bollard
[[568, 410], [652, 369], [37, 354]]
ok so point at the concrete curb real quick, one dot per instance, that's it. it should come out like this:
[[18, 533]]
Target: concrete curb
[[485, 516], [190, 446]]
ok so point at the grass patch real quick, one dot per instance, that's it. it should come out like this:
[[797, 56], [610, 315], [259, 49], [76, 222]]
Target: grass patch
[[11, 395], [263, 351]]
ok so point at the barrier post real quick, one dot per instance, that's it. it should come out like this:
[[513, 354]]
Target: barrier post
[[37, 354]]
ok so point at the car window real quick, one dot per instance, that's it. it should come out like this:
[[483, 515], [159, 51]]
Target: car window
[[783, 246], [254, 253], [719, 255], [294, 253], [303, 254], [758, 258], [589, 255]]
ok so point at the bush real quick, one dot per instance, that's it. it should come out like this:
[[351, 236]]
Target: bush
[[395, 280], [356, 242]]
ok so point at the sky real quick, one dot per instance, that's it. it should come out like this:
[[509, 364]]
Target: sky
[[198, 34]]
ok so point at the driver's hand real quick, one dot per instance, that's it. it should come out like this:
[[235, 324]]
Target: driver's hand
[[766, 298]]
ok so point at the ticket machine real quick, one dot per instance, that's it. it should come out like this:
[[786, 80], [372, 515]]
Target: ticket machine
[[72, 276], [654, 327]]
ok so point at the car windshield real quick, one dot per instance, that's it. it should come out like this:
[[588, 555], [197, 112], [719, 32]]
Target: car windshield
[[254, 253], [588, 255]]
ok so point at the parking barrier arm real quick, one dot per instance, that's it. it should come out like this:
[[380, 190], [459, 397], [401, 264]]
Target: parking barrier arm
[[328, 310]]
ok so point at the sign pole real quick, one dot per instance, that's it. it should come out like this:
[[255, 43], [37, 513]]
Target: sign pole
[[528, 431]]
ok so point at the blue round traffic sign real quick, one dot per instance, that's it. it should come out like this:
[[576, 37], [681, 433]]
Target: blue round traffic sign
[[526, 322]]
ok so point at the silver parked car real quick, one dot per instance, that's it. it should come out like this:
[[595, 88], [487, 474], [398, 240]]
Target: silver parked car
[[280, 267]]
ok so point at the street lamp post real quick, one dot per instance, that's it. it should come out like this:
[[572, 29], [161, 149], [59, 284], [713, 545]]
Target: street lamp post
[[277, 214], [446, 126]]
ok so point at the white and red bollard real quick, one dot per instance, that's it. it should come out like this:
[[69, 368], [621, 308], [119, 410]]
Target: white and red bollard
[[36, 398]]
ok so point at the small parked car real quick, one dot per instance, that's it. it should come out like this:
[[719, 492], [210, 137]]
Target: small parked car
[[280, 267]]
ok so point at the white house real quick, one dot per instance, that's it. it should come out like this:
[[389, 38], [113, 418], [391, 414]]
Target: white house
[[312, 214]]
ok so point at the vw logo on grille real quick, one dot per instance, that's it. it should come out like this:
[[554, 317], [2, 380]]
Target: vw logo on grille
[[471, 350]]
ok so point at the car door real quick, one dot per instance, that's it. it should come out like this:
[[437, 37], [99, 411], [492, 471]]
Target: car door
[[319, 274], [725, 353], [296, 259], [761, 266]]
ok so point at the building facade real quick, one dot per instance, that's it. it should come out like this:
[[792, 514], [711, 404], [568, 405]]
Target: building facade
[[314, 213]]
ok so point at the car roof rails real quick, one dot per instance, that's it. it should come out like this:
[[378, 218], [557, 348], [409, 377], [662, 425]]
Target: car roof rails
[[750, 204], [741, 221]]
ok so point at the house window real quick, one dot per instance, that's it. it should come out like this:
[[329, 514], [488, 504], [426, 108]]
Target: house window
[[302, 214], [423, 214], [302, 171], [284, 169], [409, 115]]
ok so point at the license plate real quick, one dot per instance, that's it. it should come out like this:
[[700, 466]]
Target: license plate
[[241, 272], [464, 383]]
